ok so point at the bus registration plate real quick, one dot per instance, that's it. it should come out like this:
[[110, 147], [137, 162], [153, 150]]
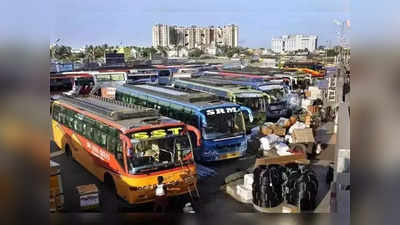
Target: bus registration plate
[[230, 155]]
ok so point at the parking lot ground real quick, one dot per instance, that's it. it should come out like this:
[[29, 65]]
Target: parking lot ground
[[212, 198]]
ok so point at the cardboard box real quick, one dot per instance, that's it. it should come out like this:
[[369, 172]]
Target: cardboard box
[[88, 196], [56, 190], [303, 136], [282, 160], [265, 130], [308, 121], [280, 131], [292, 120], [313, 109]]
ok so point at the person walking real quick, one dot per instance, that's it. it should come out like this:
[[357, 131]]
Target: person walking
[[161, 200]]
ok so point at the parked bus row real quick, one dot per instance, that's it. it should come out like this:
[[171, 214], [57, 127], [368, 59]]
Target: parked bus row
[[221, 123]]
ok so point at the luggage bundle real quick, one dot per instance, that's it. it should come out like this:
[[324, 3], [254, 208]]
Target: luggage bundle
[[267, 186], [301, 187], [275, 183]]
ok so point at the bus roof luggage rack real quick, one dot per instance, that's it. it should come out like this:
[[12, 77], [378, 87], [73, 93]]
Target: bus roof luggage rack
[[184, 95], [210, 82], [200, 97], [114, 109]]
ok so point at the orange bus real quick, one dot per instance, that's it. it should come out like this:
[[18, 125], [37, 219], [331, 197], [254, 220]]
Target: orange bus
[[126, 146]]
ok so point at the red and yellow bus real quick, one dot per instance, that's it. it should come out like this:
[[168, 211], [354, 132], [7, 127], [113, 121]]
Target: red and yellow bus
[[126, 146]]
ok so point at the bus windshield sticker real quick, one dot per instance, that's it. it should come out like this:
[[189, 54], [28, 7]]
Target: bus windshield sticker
[[217, 111], [158, 133]]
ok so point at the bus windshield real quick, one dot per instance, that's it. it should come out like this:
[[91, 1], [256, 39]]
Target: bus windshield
[[110, 77], [256, 104], [164, 73], [82, 81], [156, 154], [224, 125], [276, 93]]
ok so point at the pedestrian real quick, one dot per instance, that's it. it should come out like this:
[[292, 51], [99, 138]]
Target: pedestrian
[[161, 200]]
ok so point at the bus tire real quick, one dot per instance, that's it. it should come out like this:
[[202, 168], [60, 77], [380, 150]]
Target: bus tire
[[67, 151], [109, 198]]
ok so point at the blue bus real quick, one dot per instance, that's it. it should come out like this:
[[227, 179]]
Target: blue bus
[[164, 76], [221, 123]]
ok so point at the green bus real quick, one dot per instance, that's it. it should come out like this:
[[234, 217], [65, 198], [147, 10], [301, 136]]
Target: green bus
[[256, 100]]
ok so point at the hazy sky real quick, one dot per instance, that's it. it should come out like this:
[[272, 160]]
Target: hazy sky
[[78, 22]]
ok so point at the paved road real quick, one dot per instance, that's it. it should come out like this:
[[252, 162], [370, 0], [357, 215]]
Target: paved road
[[212, 198]]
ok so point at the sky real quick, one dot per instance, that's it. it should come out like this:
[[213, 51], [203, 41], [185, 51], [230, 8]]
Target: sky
[[78, 23]]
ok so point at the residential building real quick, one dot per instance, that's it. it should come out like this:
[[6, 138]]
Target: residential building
[[289, 43], [194, 36], [161, 35]]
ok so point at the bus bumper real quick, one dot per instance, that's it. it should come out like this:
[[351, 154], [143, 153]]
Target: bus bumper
[[215, 155], [146, 196]]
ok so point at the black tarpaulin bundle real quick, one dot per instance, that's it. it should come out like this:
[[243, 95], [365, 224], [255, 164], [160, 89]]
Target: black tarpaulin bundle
[[293, 182], [267, 185], [301, 187]]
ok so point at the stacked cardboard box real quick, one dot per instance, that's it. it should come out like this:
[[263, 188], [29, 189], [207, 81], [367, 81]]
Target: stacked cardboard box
[[88, 196], [303, 136], [313, 109], [280, 131], [56, 188], [268, 128]]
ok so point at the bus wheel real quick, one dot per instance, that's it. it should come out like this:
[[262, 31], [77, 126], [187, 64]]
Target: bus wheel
[[109, 198], [68, 152]]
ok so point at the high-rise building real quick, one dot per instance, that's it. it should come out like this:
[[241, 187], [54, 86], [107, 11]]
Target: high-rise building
[[288, 43], [161, 35], [194, 36]]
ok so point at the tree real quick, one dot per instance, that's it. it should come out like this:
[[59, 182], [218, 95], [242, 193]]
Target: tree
[[195, 53], [90, 53], [148, 52], [61, 52], [163, 50]]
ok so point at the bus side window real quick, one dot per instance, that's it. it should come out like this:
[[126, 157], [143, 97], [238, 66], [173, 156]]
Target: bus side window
[[63, 119], [70, 119], [111, 143], [56, 112], [119, 152], [78, 126], [100, 137], [88, 131]]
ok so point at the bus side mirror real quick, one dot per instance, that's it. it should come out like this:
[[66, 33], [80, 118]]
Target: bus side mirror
[[196, 132], [248, 111]]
